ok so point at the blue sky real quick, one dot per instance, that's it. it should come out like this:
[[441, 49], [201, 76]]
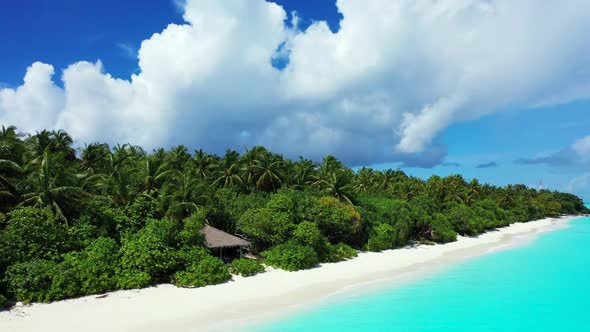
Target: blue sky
[[500, 135]]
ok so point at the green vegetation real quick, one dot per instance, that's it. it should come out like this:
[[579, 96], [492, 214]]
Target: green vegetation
[[291, 256], [208, 270], [103, 218], [246, 267]]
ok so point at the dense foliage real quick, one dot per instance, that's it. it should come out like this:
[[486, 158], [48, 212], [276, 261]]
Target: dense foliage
[[104, 218], [246, 267]]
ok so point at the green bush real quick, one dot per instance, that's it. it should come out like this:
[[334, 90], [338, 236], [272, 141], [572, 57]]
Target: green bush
[[308, 234], [442, 230], [3, 301], [339, 221], [266, 227], [464, 220], [133, 217], [341, 252], [165, 230], [291, 256], [246, 267], [82, 233], [90, 271], [132, 279], [386, 236], [31, 281], [147, 252], [32, 233], [190, 234], [208, 271]]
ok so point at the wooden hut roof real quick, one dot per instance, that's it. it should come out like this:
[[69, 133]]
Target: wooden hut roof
[[216, 238]]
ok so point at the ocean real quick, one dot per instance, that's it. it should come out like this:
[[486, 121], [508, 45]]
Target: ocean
[[541, 286]]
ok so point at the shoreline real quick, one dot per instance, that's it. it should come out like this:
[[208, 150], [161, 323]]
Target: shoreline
[[243, 302]]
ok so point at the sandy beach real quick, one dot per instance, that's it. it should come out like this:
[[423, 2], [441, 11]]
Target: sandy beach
[[244, 301]]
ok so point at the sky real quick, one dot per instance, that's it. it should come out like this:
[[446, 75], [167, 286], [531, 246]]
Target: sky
[[493, 89]]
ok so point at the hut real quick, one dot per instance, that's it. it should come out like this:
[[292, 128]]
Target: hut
[[226, 245]]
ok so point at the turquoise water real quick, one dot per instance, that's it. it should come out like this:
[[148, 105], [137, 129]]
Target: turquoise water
[[543, 286]]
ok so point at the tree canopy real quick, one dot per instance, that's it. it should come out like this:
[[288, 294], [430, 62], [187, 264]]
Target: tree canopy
[[100, 218]]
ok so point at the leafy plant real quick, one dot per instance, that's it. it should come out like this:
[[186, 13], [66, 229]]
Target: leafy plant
[[246, 267], [208, 271], [291, 256]]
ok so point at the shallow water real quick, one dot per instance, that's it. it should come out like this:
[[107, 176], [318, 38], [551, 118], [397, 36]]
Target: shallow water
[[543, 286]]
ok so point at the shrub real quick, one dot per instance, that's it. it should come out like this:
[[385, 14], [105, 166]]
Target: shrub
[[190, 234], [90, 271], [291, 256], [82, 233], [246, 267], [133, 217], [3, 301], [340, 222], [132, 279], [165, 230], [266, 227], [231, 205], [308, 234], [31, 281], [383, 237], [31, 233], [188, 256], [464, 220], [281, 201], [146, 252], [341, 252], [208, 271], [442, 230]]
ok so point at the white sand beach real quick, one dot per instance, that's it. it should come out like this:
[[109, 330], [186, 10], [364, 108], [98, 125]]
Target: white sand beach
[[243, 301]]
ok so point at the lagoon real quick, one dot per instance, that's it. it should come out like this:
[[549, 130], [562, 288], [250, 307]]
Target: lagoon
[[543, 285]]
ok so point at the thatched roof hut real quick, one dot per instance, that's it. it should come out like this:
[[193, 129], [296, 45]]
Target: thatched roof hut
[[218, 239]]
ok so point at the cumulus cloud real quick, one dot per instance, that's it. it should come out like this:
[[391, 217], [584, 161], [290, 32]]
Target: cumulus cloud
[[36, 103], [576, 155], [382, 88]]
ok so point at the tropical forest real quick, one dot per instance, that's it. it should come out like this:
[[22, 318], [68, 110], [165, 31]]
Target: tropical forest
[[98, 218]]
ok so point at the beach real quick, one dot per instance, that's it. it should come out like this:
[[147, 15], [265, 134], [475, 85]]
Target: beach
[[247, 301]]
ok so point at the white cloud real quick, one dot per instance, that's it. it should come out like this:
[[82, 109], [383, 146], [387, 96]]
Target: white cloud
[[582, 147], [579, 185], [382, 88], [34, 104], [575, 156]]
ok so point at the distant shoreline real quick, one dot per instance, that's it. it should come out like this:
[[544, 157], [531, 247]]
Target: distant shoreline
[[245, 301]]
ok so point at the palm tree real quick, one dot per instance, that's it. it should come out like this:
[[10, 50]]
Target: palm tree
[[230, 171], [11, 146], [178, 158], [268, 172], [454, 194], [54, 186], [62, 142], [120, 181], [304, 171], [436, 187], [183, 193], [473, 191], [333, 180], [506, 197], [9, 174], [94, 158], [203, 164], [152, 172], [249, 169], [364, 179]]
